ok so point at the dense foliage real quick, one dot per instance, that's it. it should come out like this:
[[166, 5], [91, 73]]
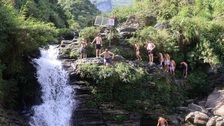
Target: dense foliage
[[192, 32], [73, 14], [132, 87], [195, 28], [19, 37], [25, 26]]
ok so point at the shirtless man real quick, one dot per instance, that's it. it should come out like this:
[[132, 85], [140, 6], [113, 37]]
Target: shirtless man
[[107, 54], [166, 61], [150, 47], [184, 68], [172, 66], [83, 49], [162, 122], [99, 44], [137, 52]]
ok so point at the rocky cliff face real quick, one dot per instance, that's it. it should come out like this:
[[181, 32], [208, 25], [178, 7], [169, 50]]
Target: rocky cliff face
[[208, 112]]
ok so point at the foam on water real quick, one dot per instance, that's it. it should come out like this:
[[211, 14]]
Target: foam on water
[[57, 95]]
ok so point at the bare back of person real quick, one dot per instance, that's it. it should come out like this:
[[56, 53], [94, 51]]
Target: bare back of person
[[161, 59], [137, 51], [137, 47], [185, 68], [162, 122]]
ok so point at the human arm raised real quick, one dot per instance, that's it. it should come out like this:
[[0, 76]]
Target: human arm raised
[[93, 40]]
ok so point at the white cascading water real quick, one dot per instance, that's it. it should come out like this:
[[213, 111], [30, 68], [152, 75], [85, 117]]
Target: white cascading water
[[57, 94]]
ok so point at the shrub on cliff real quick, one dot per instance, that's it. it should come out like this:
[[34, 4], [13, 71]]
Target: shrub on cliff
[[133, 87]]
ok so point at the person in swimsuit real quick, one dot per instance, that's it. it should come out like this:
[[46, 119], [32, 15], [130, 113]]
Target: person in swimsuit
[[162, 122], [172, 66], [137, 52], [83, 49], [98, 45], [107, 54], [150, 47], [184, 68], [166, 61], [161, 60]]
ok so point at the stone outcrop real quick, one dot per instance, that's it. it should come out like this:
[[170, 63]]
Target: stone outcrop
[[107, 113], [205, 113], [215, 102], [135, 22], [209, 112]]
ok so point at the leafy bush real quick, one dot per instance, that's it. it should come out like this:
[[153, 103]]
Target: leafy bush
[[20, 37], [197, 85], [89, 33], [131, 86]]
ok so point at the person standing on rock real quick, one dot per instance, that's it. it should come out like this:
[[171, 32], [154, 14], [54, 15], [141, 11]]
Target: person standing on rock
[[98, 45], [150, 47], [184, 66], [106, 59], [137, 52], [161, 60], [162, 122], [166, 61], [83, 49], [172, 67]]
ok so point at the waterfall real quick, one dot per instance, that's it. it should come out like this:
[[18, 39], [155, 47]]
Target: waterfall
[[56, 94]]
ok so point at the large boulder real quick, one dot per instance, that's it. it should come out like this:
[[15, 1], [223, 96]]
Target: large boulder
[[219, 121], [136, 22], [197, 118], [215, 102], [212, 121], [200, 118]]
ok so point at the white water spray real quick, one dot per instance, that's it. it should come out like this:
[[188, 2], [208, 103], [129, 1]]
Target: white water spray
[[57, 95]]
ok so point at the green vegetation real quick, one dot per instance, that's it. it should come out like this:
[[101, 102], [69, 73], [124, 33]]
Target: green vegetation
[[132, 87], [194, 33], [25, 26], [19, 38], [73, 14]]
